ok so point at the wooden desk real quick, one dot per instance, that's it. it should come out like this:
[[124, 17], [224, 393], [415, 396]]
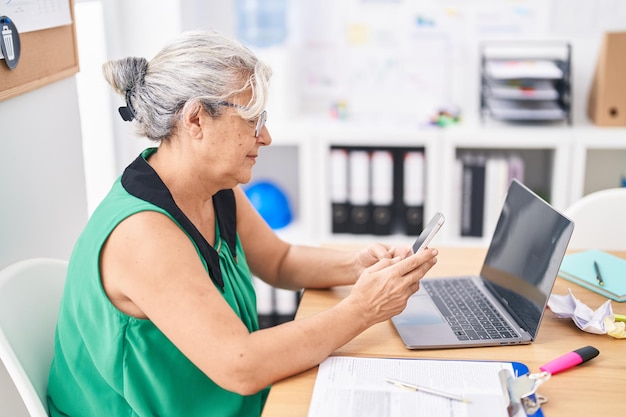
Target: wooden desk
[[595, 388]]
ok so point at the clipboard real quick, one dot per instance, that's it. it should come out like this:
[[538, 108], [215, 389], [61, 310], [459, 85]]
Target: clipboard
[[348, 385], [520, 390]]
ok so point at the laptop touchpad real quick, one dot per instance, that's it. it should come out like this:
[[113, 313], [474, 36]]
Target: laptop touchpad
[[419, 310]]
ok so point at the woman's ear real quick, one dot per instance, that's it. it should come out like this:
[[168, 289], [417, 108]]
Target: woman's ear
[[193, 119]]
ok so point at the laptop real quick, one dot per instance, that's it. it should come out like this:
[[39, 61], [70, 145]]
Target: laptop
[[505, 303]]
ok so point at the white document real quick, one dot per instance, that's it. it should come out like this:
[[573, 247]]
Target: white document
[[525, 110], [527, 90], [514, 69], [357, 387], [31, 15]]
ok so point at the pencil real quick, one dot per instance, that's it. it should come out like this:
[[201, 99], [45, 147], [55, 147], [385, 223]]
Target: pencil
[[432, 391], [598, 274]]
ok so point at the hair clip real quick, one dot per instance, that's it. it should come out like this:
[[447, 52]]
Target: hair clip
[[127, 112]]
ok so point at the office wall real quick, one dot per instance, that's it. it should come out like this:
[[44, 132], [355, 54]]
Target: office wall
[[135, 28], [43, 204], [305, 81], [94, 102], [41, 173], [42, 185]]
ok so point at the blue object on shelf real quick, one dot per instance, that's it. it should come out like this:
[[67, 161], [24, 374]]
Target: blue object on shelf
[[271, 203]]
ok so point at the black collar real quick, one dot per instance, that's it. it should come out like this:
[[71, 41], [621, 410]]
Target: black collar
[[141, 180]]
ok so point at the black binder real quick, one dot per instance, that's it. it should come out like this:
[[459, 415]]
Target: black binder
[[472, 196], [340, 208], [382, 196], [413, 174], [359, 196]]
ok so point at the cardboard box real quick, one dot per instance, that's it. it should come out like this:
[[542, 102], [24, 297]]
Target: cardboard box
[[607, 98]]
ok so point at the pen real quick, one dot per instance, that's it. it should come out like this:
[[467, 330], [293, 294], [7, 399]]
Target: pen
[[598, 274], [431, 391]]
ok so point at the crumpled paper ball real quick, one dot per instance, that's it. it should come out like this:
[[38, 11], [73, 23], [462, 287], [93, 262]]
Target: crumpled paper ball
[[599, 321]]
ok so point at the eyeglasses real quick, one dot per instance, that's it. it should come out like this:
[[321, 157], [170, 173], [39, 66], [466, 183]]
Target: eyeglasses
[[260, 121]]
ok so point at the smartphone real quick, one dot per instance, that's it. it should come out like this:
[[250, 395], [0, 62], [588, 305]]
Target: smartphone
[[429, 232]]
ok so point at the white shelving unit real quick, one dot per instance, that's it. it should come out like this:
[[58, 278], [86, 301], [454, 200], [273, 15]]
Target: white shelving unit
[[598, 159], [554, 143], [290, 161], [546, 155], [564, 162]]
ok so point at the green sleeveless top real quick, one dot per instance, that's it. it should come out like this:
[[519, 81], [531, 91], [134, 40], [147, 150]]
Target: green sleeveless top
[[107, 363]]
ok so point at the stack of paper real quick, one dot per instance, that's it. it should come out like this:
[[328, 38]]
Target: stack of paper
[[526, 90], [525, 110], [351, 386], [514, 69]]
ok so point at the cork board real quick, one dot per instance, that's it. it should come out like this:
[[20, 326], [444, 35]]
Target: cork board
[[47, 56]]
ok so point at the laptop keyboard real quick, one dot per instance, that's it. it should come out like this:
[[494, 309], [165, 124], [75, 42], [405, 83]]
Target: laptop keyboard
[[466, 309]]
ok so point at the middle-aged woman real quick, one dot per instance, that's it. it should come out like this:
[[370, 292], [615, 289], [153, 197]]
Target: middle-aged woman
[[159, 311]]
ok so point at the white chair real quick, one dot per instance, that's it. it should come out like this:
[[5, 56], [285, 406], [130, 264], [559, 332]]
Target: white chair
[[30, 294], [600, 220]]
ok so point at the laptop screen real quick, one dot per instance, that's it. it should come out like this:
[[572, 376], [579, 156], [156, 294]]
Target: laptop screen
[[523, 260]]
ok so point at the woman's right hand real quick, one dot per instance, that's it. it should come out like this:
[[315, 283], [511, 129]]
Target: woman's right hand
[[383, 289]]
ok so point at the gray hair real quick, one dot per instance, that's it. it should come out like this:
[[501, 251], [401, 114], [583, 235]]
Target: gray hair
[[197, 68]]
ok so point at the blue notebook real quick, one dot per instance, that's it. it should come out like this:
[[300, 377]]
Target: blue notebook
[[579, 269]]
